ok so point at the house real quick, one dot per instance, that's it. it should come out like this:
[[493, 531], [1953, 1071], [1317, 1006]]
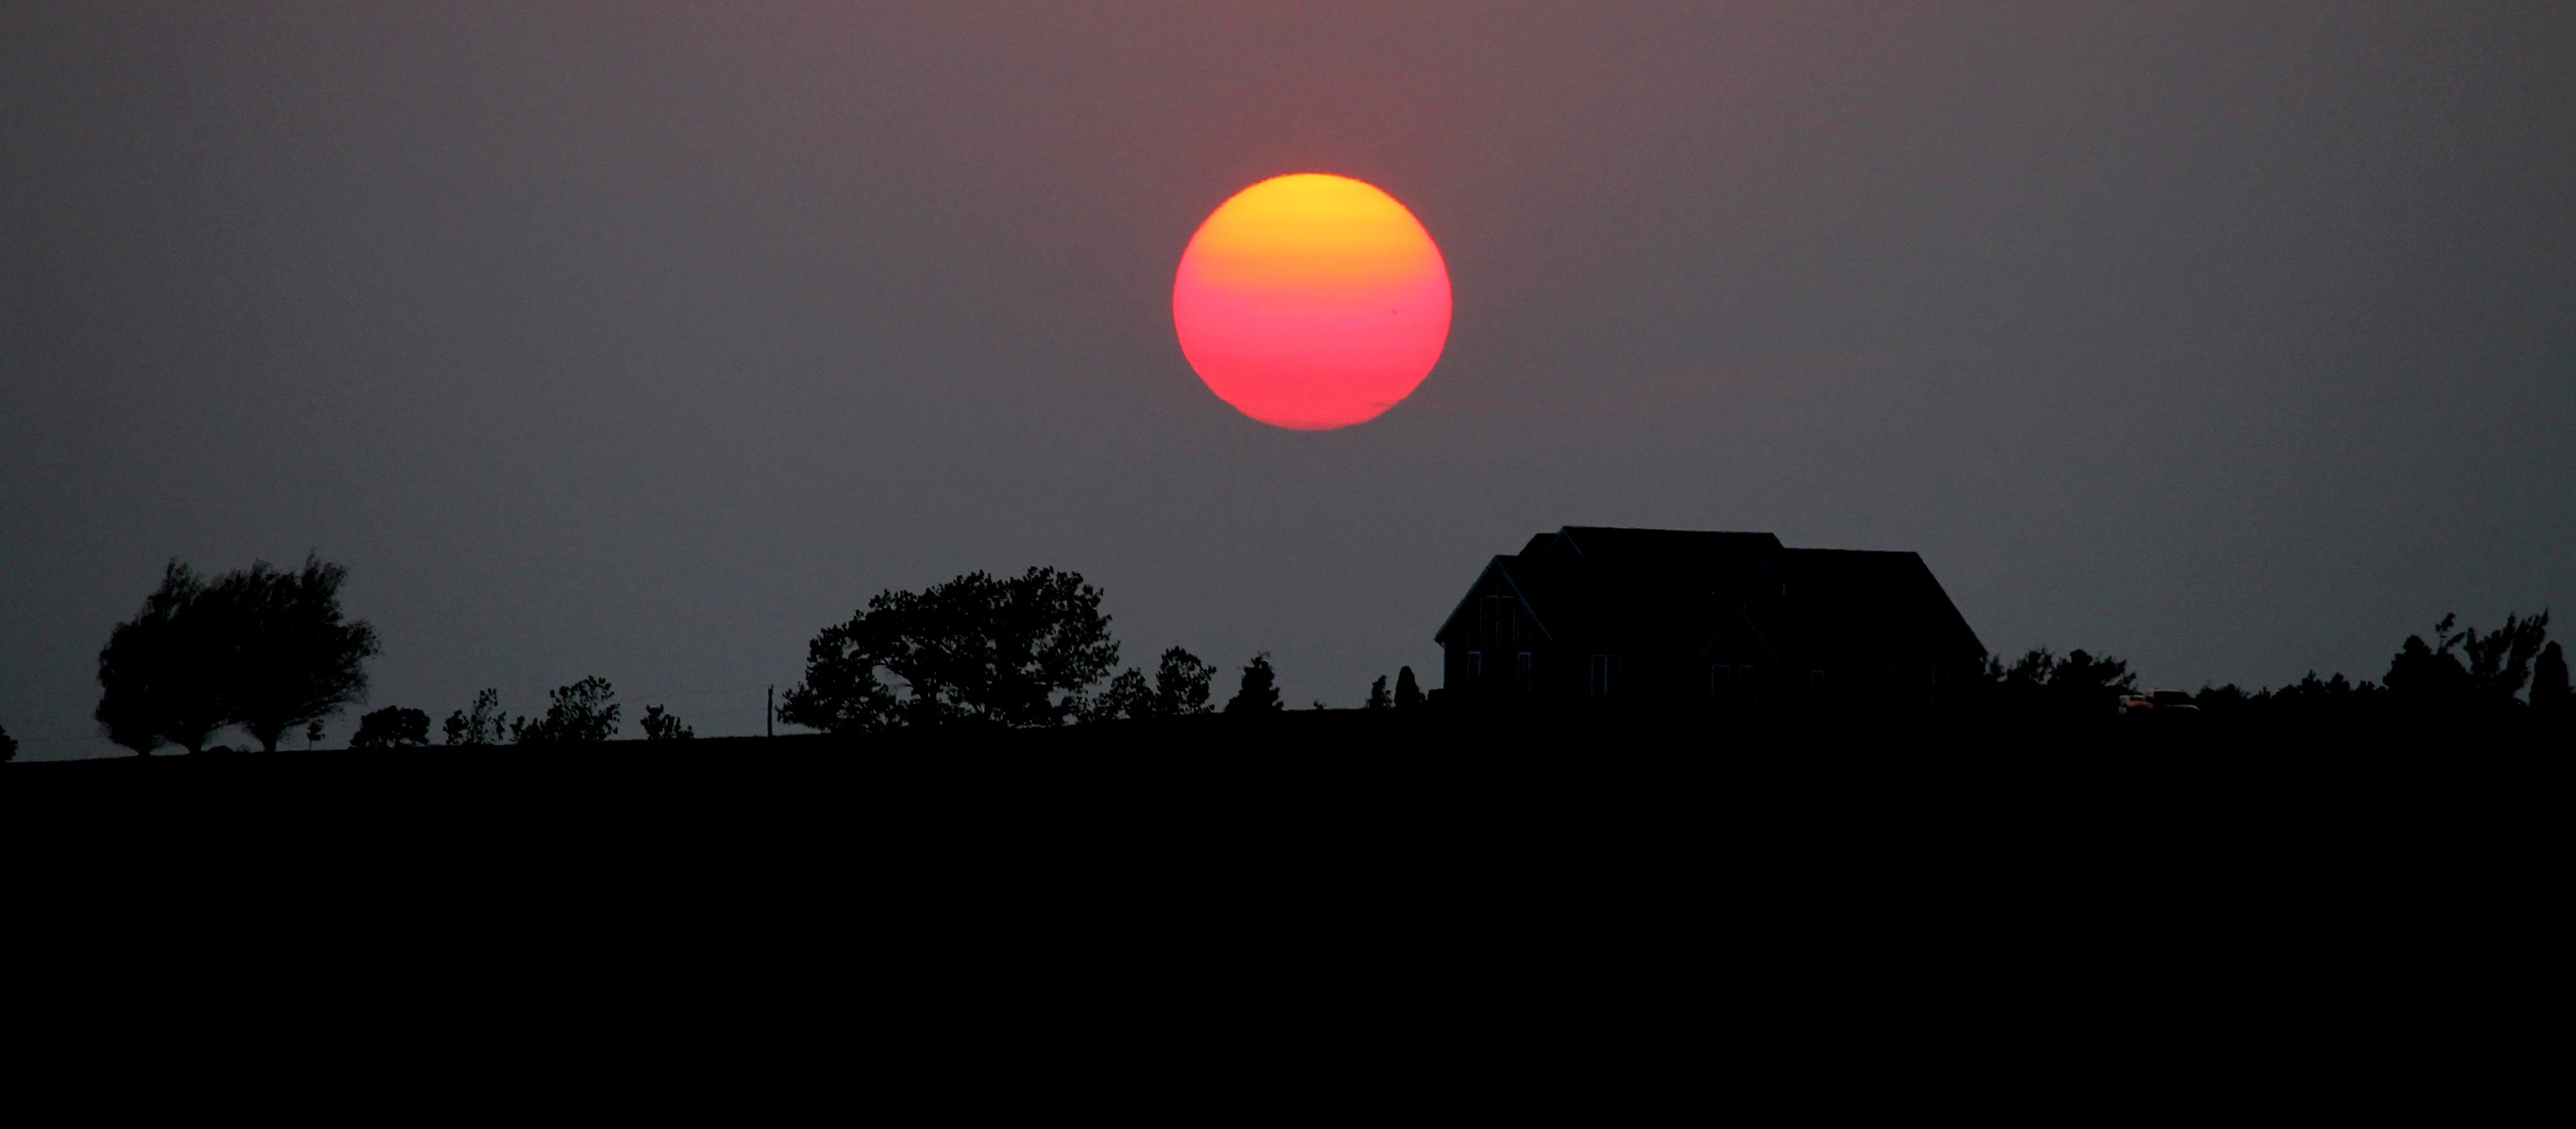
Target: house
[[1666, 618]]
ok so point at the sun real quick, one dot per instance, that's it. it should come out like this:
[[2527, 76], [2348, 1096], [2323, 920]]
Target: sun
[[1312, 302]]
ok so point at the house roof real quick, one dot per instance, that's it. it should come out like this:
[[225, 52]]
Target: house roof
[[1687, 591]]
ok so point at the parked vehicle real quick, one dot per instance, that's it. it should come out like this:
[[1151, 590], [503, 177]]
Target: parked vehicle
[[2169, 703]]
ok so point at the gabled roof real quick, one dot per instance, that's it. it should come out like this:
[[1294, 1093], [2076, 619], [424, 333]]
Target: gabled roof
[[1672, 591]]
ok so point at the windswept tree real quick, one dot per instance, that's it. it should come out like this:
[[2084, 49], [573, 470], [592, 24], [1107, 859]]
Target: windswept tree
[[584, 713], [264, 649], [1259, 691], [163, 674], [296, 657], [1378, 698], [978, 650]]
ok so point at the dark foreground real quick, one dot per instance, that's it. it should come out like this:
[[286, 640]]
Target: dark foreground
[[1388, 896]]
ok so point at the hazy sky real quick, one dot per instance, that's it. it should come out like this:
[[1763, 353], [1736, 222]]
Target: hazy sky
[[642, 340]]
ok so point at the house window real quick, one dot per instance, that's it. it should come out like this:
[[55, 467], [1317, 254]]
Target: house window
[[1521, 673], [1603, 668], [1816, 685], [1475, 666], [1896, 682], [1721, 683], [1497, 620]]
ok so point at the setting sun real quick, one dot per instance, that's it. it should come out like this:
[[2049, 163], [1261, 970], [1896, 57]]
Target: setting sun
[[1312, 302]]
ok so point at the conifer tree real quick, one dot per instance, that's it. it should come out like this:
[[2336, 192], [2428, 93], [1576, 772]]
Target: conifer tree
[[1259, 692]]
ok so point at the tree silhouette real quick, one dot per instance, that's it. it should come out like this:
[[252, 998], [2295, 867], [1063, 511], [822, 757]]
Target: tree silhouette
[[1180, 687], [2549, 690], [163, 673], [264, 649], [583, 713], [1378, 698], [1259, 692], [1181, 684], [661, 726], [392, 727], [2428, 677], [487, 725], [1126, 696], [2042, 682], [8, 746], [1408, 693], [295, 657], [977, 650], [2500, 660]]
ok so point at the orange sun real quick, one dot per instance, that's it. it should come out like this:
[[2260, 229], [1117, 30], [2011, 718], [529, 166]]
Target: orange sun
[[1312, 302]]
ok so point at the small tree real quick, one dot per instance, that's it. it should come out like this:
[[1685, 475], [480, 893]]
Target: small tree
[[1378, 698], [584, 713], [1126, 696], [1181, 684], [392, 727], [662, 726], [487, 725], [1408, 693], [8, 746], [1259, 692], [2549, 690]]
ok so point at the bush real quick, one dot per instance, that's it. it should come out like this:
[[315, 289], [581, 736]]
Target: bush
[[662, 726]]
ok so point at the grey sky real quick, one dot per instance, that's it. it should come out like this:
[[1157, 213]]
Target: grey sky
[[643, 340]]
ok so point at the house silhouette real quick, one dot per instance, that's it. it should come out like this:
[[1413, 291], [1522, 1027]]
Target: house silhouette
[[1679, 618]]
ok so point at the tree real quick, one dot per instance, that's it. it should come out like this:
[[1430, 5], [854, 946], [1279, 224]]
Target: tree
[[1259, 692], [2500, 660], [974, 651], [2040, 681], [487, 725], [296, 658], [584, 713], [1180, 688], [8, 746], [1126, 697], [661, 726], [1378, 698], [1408, 693], [2549, 690], [1181, 684], [2428, 677], [162, 673], [392, 727]]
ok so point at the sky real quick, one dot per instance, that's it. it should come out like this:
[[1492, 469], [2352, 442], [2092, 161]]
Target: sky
[[643, 340]]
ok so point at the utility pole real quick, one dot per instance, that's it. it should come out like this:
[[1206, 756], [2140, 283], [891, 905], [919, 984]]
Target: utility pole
[[769, 717]]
